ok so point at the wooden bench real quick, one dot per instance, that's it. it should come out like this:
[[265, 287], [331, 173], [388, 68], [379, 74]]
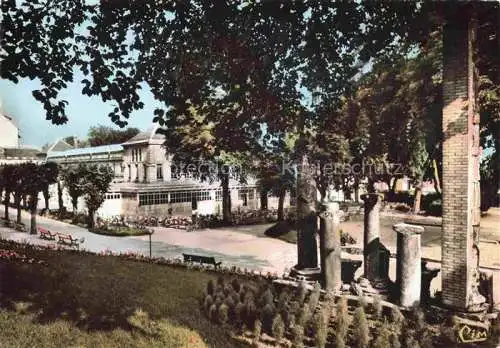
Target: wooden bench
[[45, 234], [67, 239], [209, 260]]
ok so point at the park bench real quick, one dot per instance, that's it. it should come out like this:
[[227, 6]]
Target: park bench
[[209, 260], [46, 234], [67, 239]]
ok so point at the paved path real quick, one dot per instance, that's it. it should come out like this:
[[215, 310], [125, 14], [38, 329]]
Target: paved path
[[245, 246], [232, 248]]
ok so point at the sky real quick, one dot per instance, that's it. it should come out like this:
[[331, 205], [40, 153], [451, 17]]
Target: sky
[[83, 112]]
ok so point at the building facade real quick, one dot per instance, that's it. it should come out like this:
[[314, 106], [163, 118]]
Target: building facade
[[147, 183]]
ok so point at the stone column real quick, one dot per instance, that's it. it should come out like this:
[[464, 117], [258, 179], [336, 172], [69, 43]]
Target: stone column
[[330, 249], [307, 249], [409, 264], [371, 235], [460, 162]]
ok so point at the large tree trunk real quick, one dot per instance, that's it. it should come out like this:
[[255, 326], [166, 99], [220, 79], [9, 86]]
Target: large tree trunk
[[59, 197], [281, 204], [33, 202], [437, 181], [418, 198], [46, 197], [307, 250], [6, 204], [74, 202], [263, 199], [91, 221], [17, 201], [226, 199]]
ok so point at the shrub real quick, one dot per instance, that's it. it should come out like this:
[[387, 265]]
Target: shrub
[[290, 324], [267, 298], [278, 328], [235, 283], [257, 329], [207, 303], [250, 313], [301, 293], [394, 339], [220, 281], [432, 204], [212, 313], [342, 322], [239, 311], [223, 314], [321, 327], [363, 302], [210, 287], [314, 297], [266, 317], [383, 339], [377, 306], [304, 315], [361, 329], [298, 336], [397, 318], [283, 300]]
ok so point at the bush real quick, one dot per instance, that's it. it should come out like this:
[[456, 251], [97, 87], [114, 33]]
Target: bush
[[283, 300], [212, 313], [298, 336], [250, 313], [267, 298], [239, 311], [342, 322], [278, 328], [314, 297], [383, 339], [236, 285], [361, 329], [377, 306], [397, 318], [301, 293], [223, 315], [257, 329], [210, 287], [432, 204], [304, 315], [266, 317], [321, 327], [207, 303]]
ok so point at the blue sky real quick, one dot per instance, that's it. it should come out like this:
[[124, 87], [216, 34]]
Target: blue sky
[[83, 111]]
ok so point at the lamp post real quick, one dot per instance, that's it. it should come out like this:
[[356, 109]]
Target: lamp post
[[150, 233]]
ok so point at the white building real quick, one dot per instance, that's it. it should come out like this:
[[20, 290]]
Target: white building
[[9, 132], [146, 185]]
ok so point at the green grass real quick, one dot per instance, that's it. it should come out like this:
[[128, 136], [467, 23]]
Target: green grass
[[76, 300], [119, 231], [283, 231]]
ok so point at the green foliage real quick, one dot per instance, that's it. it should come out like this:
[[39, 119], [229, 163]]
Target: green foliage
[[377, 307], [361, 330], [397, 318], [210, 287], [342, 322], [266, 317], [213, 314], [73, 178], [223, 314], [207, 304], [383, 336], [96, 182], [257, 329], [103, 135], [278, 328], [321, 327], [298, 336], [314, 297], [301, 293]]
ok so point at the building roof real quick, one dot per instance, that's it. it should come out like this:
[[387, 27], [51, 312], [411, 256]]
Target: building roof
[[86, 151], [59, 145], [10, 119], [146, 136], [20, 152]]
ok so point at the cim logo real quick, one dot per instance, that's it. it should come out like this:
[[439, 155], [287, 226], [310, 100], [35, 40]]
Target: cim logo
[[468, 333]]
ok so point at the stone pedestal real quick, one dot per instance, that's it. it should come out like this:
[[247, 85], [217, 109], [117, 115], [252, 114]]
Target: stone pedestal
[[427, 275], [371, 238], [330, 248], [409, 267]]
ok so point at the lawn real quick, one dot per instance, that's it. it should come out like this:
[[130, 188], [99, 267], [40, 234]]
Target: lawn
[[101, 301], [119, 231]]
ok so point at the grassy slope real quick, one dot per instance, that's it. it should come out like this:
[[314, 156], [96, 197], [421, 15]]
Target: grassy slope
[[95, 301]]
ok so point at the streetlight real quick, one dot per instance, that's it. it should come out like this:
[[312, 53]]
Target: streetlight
[[150, 233]]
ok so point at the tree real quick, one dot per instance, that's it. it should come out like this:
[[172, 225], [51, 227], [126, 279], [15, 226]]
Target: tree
[[50, 173], [21, 177], [8, 180], [72, 177], [103, 135], [34, 181], [96, 182]]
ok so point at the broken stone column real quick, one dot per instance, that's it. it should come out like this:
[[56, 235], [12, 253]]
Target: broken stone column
[[408, 264], [330, 248], [371, 239]]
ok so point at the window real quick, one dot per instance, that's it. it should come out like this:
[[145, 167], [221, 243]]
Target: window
[[145, 176], [159, 172], [180, 197], [140, 155], [246, 193], [133, 155], [129, 173], [218, 195], [153, 198]]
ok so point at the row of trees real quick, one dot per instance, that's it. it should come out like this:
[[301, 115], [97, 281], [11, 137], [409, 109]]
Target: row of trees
[[103, 135], [25, 181], [242, 81]]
